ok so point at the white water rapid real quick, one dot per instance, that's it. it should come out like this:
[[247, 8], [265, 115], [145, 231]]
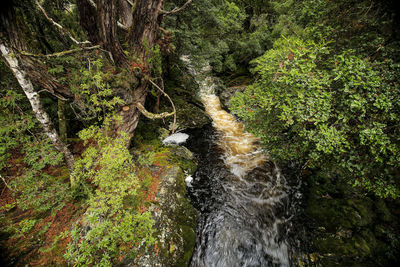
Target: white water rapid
[[241, 201]]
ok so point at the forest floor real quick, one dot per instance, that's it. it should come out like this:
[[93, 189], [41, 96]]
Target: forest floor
[[41, 238]]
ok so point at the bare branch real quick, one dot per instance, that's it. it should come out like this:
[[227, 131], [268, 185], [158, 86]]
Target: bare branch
[[176, 10], [54, 94], [60, 28], [59, 54], [122, 26], [153, 116], [170, 100]]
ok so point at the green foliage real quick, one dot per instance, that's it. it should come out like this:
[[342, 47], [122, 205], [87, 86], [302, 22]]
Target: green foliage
[[224, 33], [21, 136], [109, 229], [92, 87], [35, 188], [156, 61], [26, 225], [327, 109], [16, 119], [13, 124], [146, 158]]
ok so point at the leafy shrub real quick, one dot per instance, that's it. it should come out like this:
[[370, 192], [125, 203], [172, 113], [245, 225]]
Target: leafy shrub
[[338, 111], [92, 86], [111, 230]]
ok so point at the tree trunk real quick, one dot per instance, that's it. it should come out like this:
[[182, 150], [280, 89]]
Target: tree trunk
[[125, 13], [145, 26], [37, 108], [107, 19], [88, 20], [62, 120], [130, 117], [143, 35], [146, 23]]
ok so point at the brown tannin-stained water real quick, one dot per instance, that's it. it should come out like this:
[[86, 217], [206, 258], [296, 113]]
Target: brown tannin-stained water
[[240, 194], [241, 151]]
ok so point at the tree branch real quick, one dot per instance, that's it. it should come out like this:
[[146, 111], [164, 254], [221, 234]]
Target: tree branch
[[59, 27], [122, 26], [176, 10], [59, 54], [170, 100], [153, 116]]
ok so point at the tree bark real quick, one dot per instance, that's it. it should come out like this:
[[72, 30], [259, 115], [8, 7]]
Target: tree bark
[[88, 20], [62, 120], [143, 35], [130, 116], [37, 108], [145, 26], [126, 13], [107, 19]]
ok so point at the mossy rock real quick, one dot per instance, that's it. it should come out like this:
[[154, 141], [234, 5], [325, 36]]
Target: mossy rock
[[175, 217], [181, 152], [335, 213], [191, 116], [361, 245]]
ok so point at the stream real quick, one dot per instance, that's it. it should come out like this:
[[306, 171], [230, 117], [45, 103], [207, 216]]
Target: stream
[[241, 195]]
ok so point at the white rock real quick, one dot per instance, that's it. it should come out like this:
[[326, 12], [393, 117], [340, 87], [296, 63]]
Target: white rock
[[189, 180], [177, 138]]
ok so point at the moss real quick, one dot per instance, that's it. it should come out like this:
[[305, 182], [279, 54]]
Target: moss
[[364, 209], [189, 237], [383, 211], [363, 248], [333, 245], [332, 213], [356, 246], [188, 165], [239, 80], [176, 217], [186, 221], [64, 175], [369, 238]]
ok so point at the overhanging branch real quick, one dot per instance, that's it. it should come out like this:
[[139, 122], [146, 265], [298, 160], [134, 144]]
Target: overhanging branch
[[175, 10], [153, 116], [170, 100]]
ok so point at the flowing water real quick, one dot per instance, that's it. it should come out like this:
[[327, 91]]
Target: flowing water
[[241, 194]]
